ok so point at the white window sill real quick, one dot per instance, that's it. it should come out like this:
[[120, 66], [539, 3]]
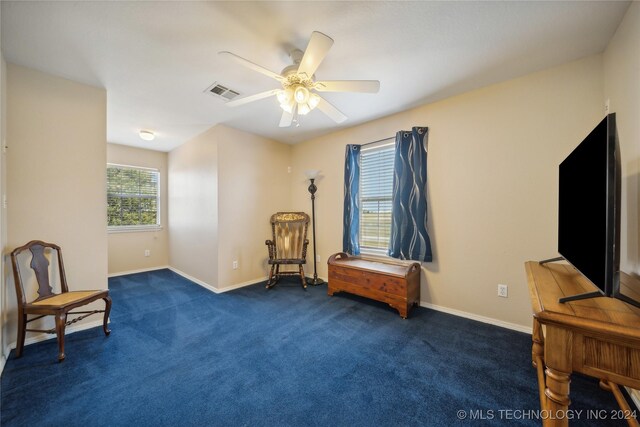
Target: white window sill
[[381, 256], [133, 228], [374, 253]]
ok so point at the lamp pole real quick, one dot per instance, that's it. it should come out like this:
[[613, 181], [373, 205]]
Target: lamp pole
[[312, 189]]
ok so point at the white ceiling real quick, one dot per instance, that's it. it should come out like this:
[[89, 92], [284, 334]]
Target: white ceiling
[[156, 58]]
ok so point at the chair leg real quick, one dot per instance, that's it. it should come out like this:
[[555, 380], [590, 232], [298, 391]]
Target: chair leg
[[276, 275], [61, 322], [269, 282], [304, 280], [107, 310], [22, 331]]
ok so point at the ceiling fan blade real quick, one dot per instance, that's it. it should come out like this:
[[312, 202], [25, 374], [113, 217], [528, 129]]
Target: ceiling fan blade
[[251, 65], [251, 98], [331, 111], [286, 119], [363, 86], [317, 49]]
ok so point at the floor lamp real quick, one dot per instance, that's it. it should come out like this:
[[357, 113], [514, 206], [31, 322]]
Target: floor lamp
[[312, 174]]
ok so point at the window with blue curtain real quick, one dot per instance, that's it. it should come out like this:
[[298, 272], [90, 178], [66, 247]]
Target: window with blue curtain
[[409, 237], [385, 204], [351, 213], [376, 190]]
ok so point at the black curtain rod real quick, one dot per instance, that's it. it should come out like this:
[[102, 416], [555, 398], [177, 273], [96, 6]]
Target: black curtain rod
[[375, 142]]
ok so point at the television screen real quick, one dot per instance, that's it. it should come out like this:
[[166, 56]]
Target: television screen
[[589, 207]]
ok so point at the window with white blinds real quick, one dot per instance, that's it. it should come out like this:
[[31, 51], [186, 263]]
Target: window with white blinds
[[133, 197], [376, 187]]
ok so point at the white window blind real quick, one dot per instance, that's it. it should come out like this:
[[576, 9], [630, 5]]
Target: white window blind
[[376, 187], [133, 196]]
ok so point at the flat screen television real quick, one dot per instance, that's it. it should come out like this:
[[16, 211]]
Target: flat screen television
[[589, 210]]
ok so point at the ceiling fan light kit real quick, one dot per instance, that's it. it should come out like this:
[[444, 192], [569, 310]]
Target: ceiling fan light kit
[[296, 96], [301, 94], [298, 83]]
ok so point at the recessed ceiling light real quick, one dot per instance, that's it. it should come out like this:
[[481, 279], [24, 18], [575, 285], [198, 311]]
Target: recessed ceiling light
[[147, 135]]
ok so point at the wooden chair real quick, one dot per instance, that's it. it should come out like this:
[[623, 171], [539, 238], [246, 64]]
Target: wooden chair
[[289, 245], [49, 303]]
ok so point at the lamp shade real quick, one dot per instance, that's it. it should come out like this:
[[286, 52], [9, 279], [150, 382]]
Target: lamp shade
[[303, 109], [314, 100], [312, 173], [301, 94]]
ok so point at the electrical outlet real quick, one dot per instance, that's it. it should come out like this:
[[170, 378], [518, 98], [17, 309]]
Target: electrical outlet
[[503, 291], [147, 252], [318, 259], [235, 265]]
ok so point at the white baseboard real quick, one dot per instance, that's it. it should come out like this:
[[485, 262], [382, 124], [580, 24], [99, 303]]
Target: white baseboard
[[213, 288], [142, 270], [477, 317], [197, 281], [194, 280], [243, 284]]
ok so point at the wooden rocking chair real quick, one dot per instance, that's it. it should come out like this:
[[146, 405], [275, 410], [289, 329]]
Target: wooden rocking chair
[[48, 303], [289, 245]]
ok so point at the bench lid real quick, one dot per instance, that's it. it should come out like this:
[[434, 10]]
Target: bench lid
[[399, 270]]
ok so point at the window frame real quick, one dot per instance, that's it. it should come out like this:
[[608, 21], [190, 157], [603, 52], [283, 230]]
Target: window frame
[[138, 227], [368, 250]]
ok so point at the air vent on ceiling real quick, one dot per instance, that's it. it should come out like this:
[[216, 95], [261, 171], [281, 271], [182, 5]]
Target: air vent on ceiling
[[216, 89]]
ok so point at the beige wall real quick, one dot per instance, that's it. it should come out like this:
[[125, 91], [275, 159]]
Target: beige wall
[[3, 191], [193, 207], [253, 184], [230, 177], [126, 249], [492, 182], [56, 134], [622, 88]]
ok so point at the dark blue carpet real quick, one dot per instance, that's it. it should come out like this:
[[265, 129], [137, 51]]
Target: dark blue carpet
[[179, 355]]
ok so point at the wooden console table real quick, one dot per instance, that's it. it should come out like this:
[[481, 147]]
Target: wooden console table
[[599, 337]]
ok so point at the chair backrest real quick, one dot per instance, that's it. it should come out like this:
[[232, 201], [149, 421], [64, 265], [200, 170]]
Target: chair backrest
[[289, 233], [40, 266]]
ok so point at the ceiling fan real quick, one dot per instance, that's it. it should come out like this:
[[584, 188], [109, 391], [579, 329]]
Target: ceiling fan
[[298, 94]]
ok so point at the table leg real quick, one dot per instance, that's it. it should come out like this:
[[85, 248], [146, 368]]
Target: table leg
[[537, 349], [557, 357], [537, 359]]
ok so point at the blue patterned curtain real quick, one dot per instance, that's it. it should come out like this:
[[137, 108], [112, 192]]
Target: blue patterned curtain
[[409, 238], [351, 226]]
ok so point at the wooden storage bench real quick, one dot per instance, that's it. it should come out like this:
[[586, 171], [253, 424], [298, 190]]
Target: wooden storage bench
[[397, 285]]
